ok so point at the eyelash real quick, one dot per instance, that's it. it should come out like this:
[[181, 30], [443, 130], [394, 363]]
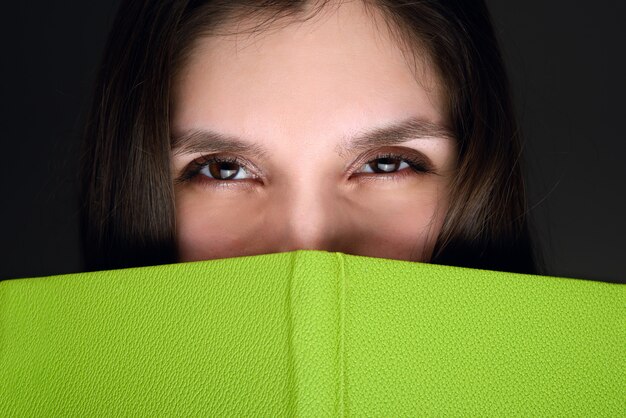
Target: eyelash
[[416, 165]]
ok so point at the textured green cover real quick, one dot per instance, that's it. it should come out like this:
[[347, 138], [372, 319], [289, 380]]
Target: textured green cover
[[311, 333]]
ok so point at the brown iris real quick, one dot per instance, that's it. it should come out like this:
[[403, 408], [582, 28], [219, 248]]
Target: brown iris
[[221, 170], [385, 165]]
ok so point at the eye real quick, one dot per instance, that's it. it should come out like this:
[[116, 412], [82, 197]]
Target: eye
[[223, 169], [392, 164], [217, 171]]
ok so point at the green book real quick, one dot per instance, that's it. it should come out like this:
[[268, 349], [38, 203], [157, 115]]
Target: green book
[[311, 334]]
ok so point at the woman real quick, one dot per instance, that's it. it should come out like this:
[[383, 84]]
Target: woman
[[376, 128]]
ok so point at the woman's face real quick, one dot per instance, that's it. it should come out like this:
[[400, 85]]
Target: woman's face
[[339, 144]]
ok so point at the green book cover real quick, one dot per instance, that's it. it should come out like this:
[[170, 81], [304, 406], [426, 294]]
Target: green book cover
[[311, 333]]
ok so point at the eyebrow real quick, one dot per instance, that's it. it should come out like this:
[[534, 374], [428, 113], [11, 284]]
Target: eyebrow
[[203, 140]]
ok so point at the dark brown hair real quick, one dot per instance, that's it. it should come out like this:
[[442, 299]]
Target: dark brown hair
[[127, 193]]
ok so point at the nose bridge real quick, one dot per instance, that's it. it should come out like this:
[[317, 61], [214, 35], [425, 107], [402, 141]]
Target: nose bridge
[[310, 218]]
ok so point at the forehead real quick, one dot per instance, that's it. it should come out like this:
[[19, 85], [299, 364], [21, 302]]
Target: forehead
[[332, 75]]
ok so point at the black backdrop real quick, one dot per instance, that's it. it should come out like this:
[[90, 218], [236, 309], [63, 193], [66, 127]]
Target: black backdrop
[[566, 62]]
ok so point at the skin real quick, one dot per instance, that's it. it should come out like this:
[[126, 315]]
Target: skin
[[301, 90]]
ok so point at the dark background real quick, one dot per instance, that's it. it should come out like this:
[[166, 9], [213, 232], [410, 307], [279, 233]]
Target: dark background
[[566, 63]]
